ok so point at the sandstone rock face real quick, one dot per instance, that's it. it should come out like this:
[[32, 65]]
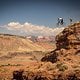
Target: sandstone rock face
[[67, 52], [69, 37], [67, 43]]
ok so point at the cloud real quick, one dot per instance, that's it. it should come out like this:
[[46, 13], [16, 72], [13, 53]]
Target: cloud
[[31, 29], [14, 25]]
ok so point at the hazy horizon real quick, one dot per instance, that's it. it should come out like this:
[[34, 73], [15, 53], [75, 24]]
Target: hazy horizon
[[29, 29]]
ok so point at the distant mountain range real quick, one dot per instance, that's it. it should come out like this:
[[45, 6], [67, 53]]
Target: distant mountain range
[[12, 43], [42, 38]]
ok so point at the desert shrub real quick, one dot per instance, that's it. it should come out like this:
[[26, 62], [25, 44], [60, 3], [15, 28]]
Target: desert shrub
[[62, 67]]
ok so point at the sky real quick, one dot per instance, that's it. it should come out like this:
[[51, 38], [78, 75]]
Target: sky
[[39, 12]]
